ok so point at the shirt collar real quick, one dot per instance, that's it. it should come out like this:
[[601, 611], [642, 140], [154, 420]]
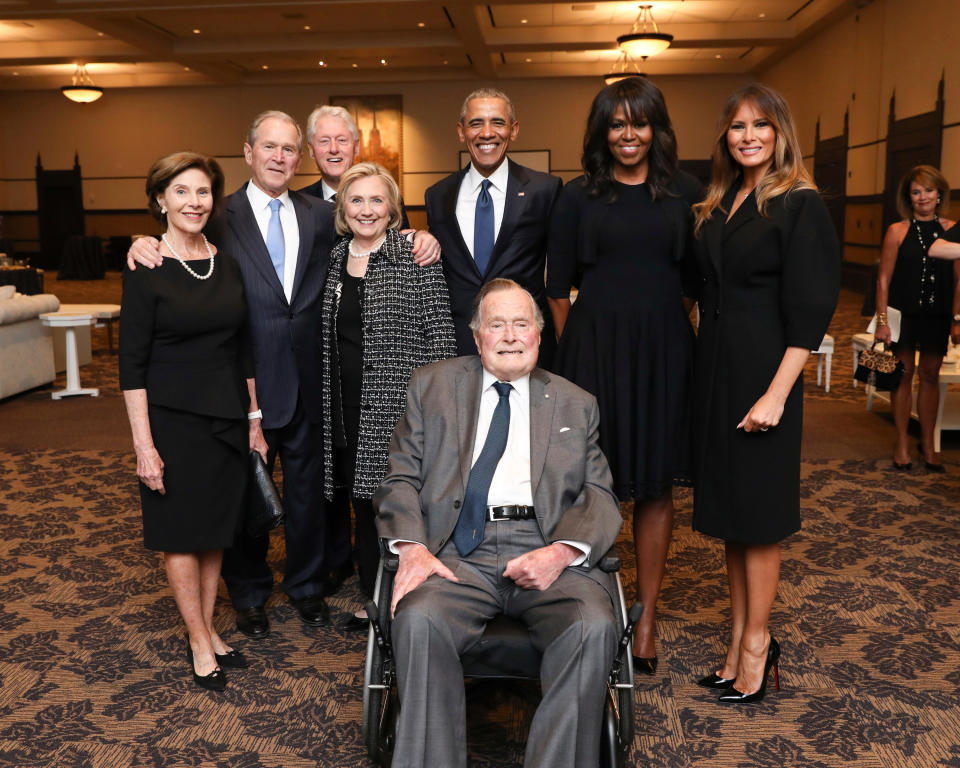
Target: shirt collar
[[328, 191], [521, 385], [498, 178], [260, 199]]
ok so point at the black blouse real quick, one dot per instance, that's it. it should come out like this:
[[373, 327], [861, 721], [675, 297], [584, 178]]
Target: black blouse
[[921, 284]]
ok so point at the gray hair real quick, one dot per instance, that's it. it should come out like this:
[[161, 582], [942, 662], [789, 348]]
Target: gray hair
[[488, 93], [277, 115], [328, 110], [494, 286]]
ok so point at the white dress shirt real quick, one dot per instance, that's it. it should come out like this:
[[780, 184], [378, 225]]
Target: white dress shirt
[[328, 191], [260, 202], [467, 200]]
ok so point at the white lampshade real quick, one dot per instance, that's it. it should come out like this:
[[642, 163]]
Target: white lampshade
[[640, 45], [82, 94]]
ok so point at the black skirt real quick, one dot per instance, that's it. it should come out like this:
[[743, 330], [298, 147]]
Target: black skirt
[[925, 332], [205, 478]]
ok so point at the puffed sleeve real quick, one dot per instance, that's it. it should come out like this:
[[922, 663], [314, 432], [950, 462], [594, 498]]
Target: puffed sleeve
[[137, 312], [563, 241], [811, 270]]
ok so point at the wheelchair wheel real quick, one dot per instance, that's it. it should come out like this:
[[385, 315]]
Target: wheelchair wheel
[[380, 703]]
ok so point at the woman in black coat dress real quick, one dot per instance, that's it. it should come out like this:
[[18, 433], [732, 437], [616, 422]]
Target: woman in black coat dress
[[620, 233], [770, 270]]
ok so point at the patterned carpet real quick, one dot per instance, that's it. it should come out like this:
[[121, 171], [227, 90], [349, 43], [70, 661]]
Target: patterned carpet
[[93, 673]]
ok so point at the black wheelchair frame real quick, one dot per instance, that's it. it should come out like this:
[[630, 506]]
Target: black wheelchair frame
[[503, 652]]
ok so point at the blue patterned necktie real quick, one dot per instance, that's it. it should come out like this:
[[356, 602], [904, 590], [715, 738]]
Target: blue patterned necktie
[[473, 517], [275, 245], [483, 228]]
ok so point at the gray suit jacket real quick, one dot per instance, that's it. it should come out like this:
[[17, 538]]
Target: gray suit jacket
[[432, 447]]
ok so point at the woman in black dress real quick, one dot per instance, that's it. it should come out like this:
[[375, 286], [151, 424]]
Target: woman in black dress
[[923, 289], [769, 261], [620, 234], [187, 375], [383, 316]]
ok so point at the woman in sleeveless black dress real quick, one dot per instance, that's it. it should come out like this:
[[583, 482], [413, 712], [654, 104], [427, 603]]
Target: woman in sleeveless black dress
[[924, 290], [620, 233]]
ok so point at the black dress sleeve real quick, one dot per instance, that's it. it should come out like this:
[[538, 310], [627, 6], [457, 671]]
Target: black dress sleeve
[[137, 312], [810, 284], [952, 235], [564, 240]]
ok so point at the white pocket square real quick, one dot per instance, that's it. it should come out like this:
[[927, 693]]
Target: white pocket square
[[564, 429]]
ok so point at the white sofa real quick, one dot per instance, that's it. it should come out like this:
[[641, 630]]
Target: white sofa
[[26, 346]]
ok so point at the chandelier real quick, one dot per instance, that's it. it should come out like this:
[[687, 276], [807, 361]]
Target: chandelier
[[82, 90], [625, 67], [645, 39]]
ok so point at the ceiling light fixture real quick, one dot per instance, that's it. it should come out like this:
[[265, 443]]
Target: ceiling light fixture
[[82, 90], [645, 39], [626, 67]]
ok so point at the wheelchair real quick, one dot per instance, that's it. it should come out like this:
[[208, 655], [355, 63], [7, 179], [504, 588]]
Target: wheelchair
[[503, 652]]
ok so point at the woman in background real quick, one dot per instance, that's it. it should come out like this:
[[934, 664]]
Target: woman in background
[[770, 267], [620, 233], [187, 374], [383, 316], [924, 290]]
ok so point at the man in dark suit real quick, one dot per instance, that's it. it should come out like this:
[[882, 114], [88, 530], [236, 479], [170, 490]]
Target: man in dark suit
[[281, 239], [498, 500], [492, 217]]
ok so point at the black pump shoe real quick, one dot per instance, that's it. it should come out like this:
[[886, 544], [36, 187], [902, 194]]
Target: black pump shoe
[[232, 660], [215, 681], [714, 681], [733, 696], [646, 665]]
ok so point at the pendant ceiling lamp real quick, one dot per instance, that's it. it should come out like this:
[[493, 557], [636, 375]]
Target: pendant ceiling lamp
[[645, 39], [626, 67], [82, 90]]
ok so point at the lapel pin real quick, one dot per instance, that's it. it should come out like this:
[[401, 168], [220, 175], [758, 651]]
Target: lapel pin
[[546, 394], [521, 194]]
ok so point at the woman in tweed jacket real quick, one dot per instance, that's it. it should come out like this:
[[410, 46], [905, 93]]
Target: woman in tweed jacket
[[383, 316]]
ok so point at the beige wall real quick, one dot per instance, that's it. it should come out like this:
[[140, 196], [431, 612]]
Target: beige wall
[[889, 46], [119, 136]]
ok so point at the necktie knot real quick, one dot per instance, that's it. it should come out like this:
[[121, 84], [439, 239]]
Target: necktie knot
[[503, 388], [275, 205], [485, 186]]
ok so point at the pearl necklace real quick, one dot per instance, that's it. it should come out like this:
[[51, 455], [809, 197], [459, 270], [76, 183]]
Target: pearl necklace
[[916, 225], [355, 255], [187, 266], [925, 260]]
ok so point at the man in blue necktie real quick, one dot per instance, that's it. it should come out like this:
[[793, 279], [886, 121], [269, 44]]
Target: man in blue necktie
[[498, 500], [492, 217]]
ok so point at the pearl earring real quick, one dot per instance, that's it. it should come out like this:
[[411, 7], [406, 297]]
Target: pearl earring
[[163, 211]]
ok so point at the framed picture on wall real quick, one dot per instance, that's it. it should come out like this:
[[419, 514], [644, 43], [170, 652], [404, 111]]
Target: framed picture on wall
[[380, 122]]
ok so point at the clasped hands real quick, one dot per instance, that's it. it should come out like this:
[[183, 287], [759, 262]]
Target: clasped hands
[[536, 569]]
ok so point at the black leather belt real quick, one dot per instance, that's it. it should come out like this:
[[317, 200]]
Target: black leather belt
[[513, 512]]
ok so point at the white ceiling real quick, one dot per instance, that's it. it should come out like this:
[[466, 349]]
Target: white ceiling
[[135, 43]]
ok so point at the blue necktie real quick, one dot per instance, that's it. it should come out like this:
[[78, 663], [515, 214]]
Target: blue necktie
[[483, 228], [275, 245], [473, 517]]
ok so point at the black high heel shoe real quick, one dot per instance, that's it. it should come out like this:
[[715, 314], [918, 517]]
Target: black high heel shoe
[[215, 681], [733, 696], [232, 660], [714, 681], [646, 665]]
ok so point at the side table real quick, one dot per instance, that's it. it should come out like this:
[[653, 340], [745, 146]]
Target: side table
[[69, 322]]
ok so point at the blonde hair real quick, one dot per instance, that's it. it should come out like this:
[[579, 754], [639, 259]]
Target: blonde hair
[[360, 171], [928, 176], [786, 173]]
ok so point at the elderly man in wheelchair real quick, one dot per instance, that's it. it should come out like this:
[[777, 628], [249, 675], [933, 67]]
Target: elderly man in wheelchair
[[498, 512]]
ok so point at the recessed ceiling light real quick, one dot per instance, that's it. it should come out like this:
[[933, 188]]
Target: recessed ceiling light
[[523, 21], [16, 74], [421, 24], [445, 61], [528, 60], [383, 61], [322, 63], [354, 66], [196, 31], [761, 15], [306, 27], [264, 66], [99, 34], [186, 69], [718, 56]]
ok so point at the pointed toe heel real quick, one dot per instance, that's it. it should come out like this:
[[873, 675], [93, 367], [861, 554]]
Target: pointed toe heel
[[715, 682], [733, 696]]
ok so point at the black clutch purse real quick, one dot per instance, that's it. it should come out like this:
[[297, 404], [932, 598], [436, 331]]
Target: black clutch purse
[[264, 508], [879, 369]]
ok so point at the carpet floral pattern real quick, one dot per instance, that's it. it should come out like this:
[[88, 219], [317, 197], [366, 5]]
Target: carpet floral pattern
[[93, 671]]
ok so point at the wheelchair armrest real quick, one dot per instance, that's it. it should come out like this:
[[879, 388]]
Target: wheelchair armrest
[[391, 562], [609, 564]]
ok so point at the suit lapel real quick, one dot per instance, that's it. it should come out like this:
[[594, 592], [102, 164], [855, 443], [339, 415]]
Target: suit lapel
[[305, 223], [514, 203], [250, 240], [542, 403], [449, 203], [716, 230], [745, 213], [468, 405]]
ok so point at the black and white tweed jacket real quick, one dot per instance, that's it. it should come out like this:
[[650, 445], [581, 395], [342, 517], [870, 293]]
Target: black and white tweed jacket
[[406, 323]]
